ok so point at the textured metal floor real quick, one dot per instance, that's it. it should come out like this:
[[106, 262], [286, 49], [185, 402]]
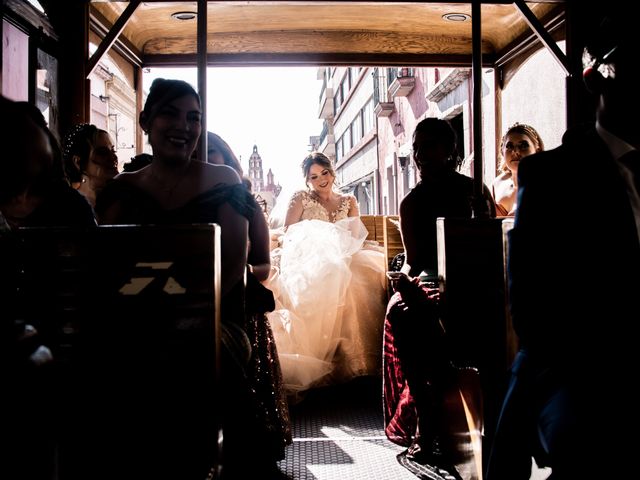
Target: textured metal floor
[[338, 435]]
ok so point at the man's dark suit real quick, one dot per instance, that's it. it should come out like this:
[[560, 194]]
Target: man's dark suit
[[574, 270]]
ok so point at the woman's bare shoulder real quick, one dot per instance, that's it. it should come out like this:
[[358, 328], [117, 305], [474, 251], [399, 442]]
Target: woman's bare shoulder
[[134, 177], [299, 196], [504, 176], [350, 199], [215, 174]]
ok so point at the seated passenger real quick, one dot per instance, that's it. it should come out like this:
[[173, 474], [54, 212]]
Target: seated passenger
[[33, 188], [175, 189], [90, 159], [519, 141], [417, 371], [33, 193], [330, 291], [265, 374]]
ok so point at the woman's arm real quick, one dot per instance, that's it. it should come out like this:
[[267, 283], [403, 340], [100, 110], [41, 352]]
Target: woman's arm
[[409, 240], [234, 227], [259, 255], [294, 211], [233, 245], [354, 210]]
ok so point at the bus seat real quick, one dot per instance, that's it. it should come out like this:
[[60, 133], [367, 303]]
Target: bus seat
[[131, 316], [471, 277], [510, 335], [372, 223], [392, 237]]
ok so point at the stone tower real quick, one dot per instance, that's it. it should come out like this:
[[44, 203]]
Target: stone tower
[[255, 171]]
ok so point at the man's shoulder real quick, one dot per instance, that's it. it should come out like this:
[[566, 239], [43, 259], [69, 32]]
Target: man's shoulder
[[577, 143]]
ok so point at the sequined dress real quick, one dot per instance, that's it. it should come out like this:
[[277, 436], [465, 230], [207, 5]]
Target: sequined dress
[[330, 292]]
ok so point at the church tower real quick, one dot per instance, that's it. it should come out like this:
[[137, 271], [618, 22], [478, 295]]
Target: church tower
[[255, 171], [271, 186]]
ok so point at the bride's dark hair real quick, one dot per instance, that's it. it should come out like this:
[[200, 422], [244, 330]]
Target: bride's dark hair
[[316, 158]]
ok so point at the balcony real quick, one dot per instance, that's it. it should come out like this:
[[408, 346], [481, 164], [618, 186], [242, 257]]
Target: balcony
[[448, 84], [326, 141], [326, 104], [328, 146], [384, 109], [402, 83], [384, 105]]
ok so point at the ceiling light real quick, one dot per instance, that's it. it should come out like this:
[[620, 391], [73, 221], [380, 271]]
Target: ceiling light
[[456, 17], [184, 15]]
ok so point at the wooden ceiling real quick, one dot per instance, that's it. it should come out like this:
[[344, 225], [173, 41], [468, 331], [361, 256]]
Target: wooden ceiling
[[314, 29]]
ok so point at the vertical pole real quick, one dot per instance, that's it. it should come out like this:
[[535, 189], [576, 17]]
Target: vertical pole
[[202, 75], [72, 23], [137, 81], [476, 74]]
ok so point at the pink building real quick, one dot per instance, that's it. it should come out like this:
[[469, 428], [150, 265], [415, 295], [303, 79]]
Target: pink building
[[370, 114]]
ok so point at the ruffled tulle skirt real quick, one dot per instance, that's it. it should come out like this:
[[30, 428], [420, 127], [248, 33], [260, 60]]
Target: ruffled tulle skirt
[[330, 292]]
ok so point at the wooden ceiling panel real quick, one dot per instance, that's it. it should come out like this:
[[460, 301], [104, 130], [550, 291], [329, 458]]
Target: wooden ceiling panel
[[321, 27]]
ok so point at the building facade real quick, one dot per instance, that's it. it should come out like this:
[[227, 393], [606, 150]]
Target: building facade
[[370, 114], [349, 133]]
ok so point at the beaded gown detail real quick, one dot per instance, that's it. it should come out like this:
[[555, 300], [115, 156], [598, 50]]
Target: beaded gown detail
[[330, 293]]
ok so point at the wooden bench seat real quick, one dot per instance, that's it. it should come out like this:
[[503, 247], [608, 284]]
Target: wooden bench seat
[[131, 316], [383, 230]]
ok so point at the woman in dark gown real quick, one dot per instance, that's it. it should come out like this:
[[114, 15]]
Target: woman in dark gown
[[175, 189], [417, 371], [266, 374]]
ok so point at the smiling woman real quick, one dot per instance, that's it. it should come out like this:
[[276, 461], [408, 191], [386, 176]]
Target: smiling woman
[[329, 287], [174, 189]]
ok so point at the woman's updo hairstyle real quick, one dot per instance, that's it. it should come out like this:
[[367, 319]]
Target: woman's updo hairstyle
[[162, 92], [78, 142], [316, 158]]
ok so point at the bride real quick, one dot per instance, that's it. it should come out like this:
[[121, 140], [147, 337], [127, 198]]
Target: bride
[[329, 286]]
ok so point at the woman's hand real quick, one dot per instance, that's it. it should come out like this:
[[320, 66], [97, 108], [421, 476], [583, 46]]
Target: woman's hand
[[412, 291]]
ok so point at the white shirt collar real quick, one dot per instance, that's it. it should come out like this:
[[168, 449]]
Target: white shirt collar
[[615, 144]]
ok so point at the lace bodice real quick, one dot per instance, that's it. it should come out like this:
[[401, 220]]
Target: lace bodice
[[312, 209]]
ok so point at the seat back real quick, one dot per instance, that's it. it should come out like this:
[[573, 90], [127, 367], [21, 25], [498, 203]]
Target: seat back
[[471, 277], [131, 316], [510, 334], [369, 222], [392, 237]]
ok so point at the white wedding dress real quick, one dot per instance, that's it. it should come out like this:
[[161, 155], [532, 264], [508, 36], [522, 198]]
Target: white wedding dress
[[330, 290]]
